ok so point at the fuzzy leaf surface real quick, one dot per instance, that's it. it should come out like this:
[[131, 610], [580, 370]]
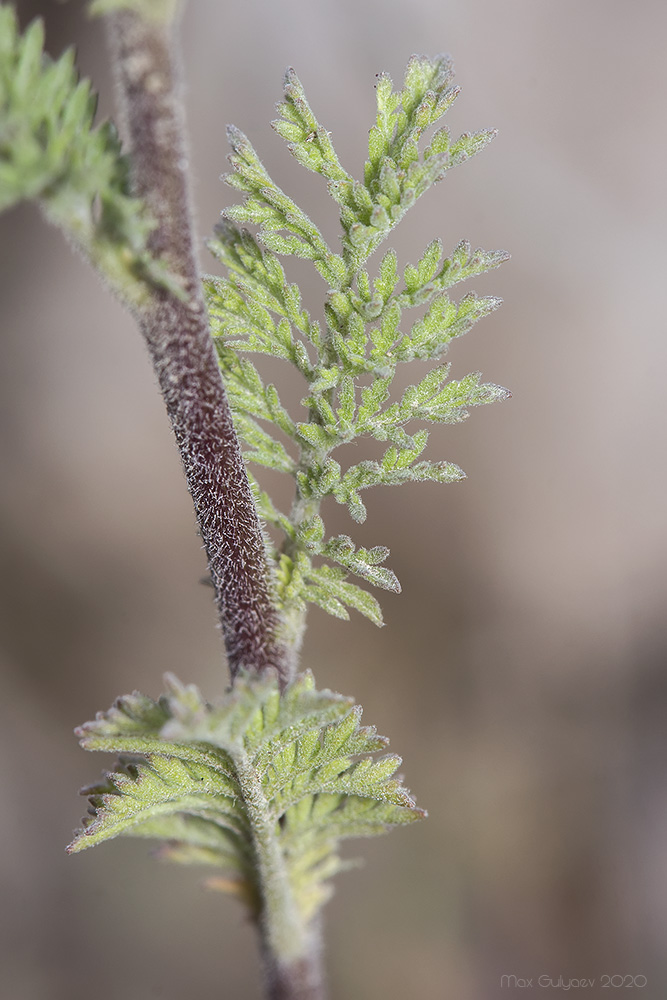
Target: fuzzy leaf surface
[[350, 362], [210, 780], [51, 153]]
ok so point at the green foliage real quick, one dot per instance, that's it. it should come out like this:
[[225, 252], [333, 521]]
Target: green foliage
[[262, 786], [349, 365], [51, 153]]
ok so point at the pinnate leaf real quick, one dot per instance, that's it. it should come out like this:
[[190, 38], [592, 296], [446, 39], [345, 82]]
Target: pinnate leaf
[[299, 762]]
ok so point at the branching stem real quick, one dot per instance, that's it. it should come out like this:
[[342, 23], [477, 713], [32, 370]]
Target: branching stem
[[177, 333]]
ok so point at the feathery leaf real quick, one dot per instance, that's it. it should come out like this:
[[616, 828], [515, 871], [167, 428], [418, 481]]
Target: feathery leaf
[[213, 779], [349, 366], [51, 153]]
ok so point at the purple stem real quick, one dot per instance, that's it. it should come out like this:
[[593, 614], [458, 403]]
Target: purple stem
[[178, 338]]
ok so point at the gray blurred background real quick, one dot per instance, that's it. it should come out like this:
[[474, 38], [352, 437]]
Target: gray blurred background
[[522, 671]]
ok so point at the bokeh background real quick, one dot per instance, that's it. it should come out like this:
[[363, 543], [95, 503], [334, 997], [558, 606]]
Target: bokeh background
[[522, 672]]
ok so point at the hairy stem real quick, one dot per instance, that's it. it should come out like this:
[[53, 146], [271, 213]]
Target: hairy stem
[[299, 979], [291, 949], [177, 334]]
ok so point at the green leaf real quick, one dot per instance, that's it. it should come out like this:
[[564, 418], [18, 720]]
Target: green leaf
[[307, 140], [261, 776], [315, 436], [462, 264], [469, 144], [268, 207], [362, 562], [435, 399], [350, 365], [330, 582], [442, 323], [388, 276], [372, 398], [51, 153]]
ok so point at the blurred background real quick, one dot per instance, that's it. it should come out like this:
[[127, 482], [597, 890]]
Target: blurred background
[[522, 672]]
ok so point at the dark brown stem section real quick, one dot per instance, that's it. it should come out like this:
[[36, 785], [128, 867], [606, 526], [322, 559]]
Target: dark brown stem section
[[183, 354]]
